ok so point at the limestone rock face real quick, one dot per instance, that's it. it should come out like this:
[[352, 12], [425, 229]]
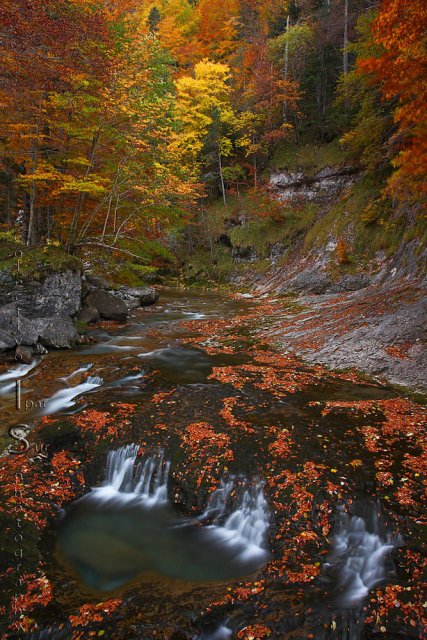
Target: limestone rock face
[[57, 331], [14, 329], [58, 294], [37, 312]]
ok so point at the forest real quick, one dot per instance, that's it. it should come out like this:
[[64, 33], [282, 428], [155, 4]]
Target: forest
[[121, 121]]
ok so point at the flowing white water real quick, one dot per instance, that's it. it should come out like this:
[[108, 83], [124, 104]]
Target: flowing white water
[[194, 315], [247, 521], [359, 559], [15, 374], [218, 500], [148, 480], [239, 521], [122, 382], [65, 398], [106, 347], [127, 526], [81, 369]]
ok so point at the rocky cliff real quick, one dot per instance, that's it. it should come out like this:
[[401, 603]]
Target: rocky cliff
[[42, 311]]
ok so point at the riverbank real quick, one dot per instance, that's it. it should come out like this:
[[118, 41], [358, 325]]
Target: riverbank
[[48, 300], [352, 264], [379, 330]]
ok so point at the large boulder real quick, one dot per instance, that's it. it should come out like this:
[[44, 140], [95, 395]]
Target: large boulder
[[350, 283], [57, 294], [57, 331], [308, 281], [88, 315], [109, 306], [135, 297], [15, 329], [147, 296]]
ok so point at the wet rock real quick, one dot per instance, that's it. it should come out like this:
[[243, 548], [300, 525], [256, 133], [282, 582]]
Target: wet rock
[[130, 301], [146, 295], [88, 315], [98, 282], [308, 281], [40, 349], [24, 354], [135, 297], [14, 329], [84, 339], [57, 331], [108, 305]]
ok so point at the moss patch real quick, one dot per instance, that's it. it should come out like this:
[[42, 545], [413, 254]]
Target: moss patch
[[35, 262], [309, 158]]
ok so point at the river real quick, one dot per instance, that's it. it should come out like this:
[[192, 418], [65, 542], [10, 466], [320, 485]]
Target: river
[[186, 481]]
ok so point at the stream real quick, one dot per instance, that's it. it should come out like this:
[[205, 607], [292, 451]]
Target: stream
[[186, 481]]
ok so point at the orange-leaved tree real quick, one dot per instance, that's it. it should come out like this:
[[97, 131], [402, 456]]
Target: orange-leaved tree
[[85, 114], [401, 71]]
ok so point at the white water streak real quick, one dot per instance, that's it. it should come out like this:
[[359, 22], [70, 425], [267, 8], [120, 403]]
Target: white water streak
[[66, 398], [236, 521], [358, 559]]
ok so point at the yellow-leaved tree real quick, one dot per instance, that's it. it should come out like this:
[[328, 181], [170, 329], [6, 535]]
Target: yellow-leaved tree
[[206, 122]]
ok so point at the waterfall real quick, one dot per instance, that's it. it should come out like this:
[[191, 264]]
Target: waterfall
[[247, 519], [217, 502], [240, 520], [148, 480], [127, 526], [12, 375], [359, 559]]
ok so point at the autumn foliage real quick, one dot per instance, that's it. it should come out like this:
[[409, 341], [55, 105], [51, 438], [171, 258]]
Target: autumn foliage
[[85, 108], [401, 72], [117, 117]]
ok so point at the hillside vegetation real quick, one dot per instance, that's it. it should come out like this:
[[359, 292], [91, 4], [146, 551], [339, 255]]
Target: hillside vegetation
[[126, 124]]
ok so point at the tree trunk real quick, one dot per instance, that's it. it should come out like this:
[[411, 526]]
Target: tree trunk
[[81, 196], [221, 178], [345, 42], [286, 71], [345, 51], [255, 173]]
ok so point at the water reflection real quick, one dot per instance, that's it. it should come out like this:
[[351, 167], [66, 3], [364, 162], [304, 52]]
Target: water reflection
[[179, 365]]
